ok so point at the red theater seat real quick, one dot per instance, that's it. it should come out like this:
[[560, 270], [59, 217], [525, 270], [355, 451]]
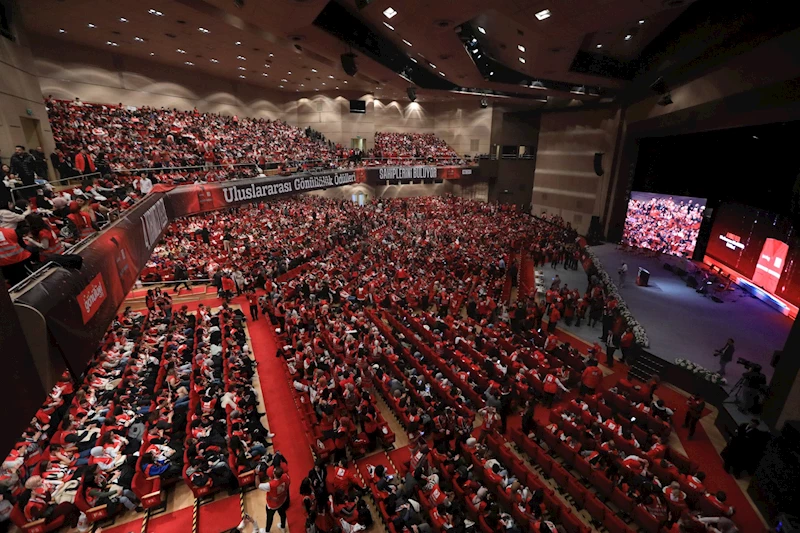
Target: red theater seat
[[647, 522], [622, 501], [595, 507], [614, 524]]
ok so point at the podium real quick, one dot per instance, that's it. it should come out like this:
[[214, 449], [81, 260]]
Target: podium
[[643, 278]]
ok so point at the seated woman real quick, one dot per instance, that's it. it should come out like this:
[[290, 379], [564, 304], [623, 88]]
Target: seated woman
[[36, 502], [98, 491]]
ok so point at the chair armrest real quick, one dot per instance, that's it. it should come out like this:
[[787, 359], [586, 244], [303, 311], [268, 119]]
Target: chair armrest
[[98, 508], [247, 473], [151, 495], [33, 524]]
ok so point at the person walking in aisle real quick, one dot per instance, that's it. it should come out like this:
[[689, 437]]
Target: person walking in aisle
[[612, 343], [277, 490], [694, 412], [623, 271]]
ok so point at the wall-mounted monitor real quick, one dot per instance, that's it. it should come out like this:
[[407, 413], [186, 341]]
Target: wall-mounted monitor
[[358, 106]]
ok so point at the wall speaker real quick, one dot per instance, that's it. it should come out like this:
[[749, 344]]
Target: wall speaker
[[349, 64], [598, 163], [412, 93]]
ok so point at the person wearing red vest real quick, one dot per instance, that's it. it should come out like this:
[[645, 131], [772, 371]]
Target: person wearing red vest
[[277, 490], [695, 406], [590, 378], [551, 386], [625, 345], [81, 219], [555, 316], [14, 259]]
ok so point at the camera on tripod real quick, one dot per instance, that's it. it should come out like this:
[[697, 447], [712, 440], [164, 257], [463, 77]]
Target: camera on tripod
[[749, 365]]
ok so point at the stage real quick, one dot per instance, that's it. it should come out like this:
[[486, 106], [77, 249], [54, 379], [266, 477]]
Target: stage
[[681, 323]]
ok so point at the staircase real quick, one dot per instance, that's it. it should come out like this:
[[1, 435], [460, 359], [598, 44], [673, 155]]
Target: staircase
[[645, 366]]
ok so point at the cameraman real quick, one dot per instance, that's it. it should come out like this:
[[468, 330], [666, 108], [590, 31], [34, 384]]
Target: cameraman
[[754, 381], [725, 356]]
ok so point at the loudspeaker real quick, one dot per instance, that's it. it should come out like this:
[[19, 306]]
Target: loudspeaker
[[598, 163], [412, 93], [349, 64]]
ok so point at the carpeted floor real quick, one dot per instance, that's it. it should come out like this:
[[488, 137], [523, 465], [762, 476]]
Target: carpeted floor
[[283, 417]]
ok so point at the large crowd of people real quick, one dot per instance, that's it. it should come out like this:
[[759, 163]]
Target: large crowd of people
[[409, 299], [663, 224]]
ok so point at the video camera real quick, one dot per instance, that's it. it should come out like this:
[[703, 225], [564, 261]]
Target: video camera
[[749, 365]]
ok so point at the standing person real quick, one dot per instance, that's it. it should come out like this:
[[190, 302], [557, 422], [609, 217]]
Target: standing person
[[252, 299], [695, 406], [181, 275], [591, 377], [623, 271], [84, 163], [612, 343], [555, 316], [626, 345], [551, 386], [24, 166], [725, 356], [277, 490]]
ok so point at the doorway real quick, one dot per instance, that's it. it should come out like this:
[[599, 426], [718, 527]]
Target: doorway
[[30, 129], [358, 143]]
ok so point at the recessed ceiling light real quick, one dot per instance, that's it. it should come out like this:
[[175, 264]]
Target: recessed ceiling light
[[267, 65], [641, 21], [242, 76], [289, 73], [389, 12], [241, 58], [628, 37], [152, 53], [543, 14], [264, 74], [91, 25], [491, 73], [408, 43], [412, 59], [180, 51], [330, 77], [441, 73], [388, 26], [214, 60], [432, 65], [323, 83], [302, 85], [155, 12], [123, 19], [520, 48], [62, 30], [111, 43], [521, 59], [238, 43], [312, 70], [203, 30], [755, 137], [284, 80], [337, 87], [138, 39], [599, 45], [480, 29], [242, 68], [188, 63], [316, 89], [281, 86], [271, 55]]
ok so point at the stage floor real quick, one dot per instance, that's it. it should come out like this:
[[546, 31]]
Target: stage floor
[[683, 324]]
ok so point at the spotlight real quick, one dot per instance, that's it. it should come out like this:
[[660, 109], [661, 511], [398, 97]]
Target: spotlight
[[412, 93], [665, 100], [484, 103]]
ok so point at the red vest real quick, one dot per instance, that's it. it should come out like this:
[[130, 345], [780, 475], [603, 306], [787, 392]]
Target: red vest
[[278, 492], [550, 386], [11, 252]]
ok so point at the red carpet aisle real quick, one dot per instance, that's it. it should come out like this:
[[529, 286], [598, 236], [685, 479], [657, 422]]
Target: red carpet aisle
[[699, 449], [282, 414]]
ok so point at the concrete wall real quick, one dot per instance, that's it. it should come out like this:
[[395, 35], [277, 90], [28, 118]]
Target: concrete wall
[[23, 116], [565, 182]]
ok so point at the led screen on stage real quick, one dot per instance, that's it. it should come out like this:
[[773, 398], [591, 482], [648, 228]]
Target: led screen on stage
[[759, 245], [663, 223]]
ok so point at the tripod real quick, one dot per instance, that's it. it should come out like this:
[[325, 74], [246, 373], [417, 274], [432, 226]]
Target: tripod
[[736, 391]]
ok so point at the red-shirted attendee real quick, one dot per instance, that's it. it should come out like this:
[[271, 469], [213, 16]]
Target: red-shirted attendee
[[277, 490]]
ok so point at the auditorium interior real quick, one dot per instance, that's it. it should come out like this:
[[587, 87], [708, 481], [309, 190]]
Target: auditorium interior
[[332, 266]]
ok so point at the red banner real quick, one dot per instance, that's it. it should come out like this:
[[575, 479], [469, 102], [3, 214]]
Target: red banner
[[92, 297]]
